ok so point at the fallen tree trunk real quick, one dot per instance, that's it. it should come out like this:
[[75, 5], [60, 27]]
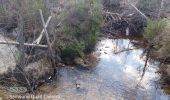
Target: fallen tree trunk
[[25, 44]]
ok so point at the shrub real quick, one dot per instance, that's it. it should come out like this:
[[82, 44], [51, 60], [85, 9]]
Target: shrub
[[158, 33], [154, 28], [73, 50], [82, 25]]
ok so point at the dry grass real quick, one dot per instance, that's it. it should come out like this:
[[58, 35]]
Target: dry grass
[[165, 49], [4, 94]]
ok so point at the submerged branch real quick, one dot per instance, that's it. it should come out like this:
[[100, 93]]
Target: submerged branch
[[147, 59], [128, 49]]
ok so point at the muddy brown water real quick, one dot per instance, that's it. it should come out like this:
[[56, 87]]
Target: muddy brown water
[[114, 77]]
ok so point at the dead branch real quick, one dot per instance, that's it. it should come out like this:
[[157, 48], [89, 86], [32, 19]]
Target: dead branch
[[51, 52], [21, 43], [45, 30], [161, 8], [139, 11], [38, 40], [25, 44], [146, 63]]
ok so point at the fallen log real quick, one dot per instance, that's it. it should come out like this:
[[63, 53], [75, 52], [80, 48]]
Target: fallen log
[[25, 44]]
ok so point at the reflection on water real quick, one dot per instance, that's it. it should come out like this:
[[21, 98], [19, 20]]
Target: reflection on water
[[115, 77]]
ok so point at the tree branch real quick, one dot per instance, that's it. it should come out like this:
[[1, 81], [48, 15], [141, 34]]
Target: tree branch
[[38, 40], [139, 11]]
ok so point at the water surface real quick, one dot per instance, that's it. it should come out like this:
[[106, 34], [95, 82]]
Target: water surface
[[114, 77]]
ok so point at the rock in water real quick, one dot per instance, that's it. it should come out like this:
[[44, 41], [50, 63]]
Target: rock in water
[[8, 56], [78, 84]]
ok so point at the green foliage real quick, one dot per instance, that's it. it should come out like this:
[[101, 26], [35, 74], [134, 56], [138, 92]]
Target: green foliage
[[157, 32], [83, 25], [74, 50], [154, 28], [91, 41]]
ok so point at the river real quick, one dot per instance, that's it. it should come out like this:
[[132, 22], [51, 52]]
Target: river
[[115, 76]]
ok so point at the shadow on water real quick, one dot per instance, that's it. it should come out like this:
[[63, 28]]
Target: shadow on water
[[116, 76]]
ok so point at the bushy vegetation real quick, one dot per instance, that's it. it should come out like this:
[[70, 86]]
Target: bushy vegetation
[[158, 34], [82, 25], [74, 50], [154, 29], [165, 48]]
